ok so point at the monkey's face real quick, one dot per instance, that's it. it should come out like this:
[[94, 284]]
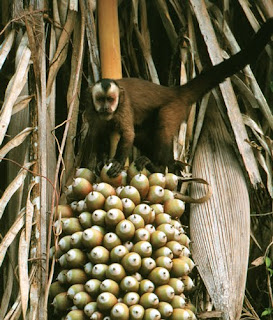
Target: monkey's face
[[105, 95]]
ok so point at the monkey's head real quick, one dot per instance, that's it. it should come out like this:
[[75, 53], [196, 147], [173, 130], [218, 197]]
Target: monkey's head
[[105, 96]]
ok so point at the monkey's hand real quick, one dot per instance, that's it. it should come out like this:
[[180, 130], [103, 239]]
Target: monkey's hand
[[115, 169], [144, 162], [99, 167]]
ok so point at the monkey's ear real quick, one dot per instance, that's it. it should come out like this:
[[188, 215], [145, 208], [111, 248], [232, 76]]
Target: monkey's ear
[[121, 95]]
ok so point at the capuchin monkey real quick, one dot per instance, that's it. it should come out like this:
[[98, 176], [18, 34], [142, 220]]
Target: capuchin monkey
[[149, 115]]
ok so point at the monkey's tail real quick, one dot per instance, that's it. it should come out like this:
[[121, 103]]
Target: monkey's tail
[[211, 77]]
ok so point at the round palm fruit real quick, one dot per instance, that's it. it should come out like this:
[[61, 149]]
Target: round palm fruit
[[98, 217], [81, 187], [164, 262], [91, 238], [109, 285], [76, 258], [176, 248], [97, 315], [141, 183], [113, 217], [115, 181], [168, 229], [132, 171], [174, 207], [128, 206], [165, 292], [124, 177], [152, 216], [136, 312], [180, 314], [184, 240], [171, 181], [155, 194], [112, 202], [144, 211], [146, 286], [75, 315], [99, 254], [158, 239], [105, 189], [61, 302], [188, 283], [137, 221], [88, 268], [73, 206], [129, 284], [81, 207], [131, 262], [152, 314], [168, 195], [74, 289], [85, 219], [157, 179], [63, 261], [120, 311], [178, 302], [74, 276], [129, 245], [149, 300], [163, 251], [147, 265], [111, 240], [86, 174], [192, 315], [92, 286], [185, 251], [157, 207], [138, 276], [56, 288], [76, 240], [159, 276], [69, 194], [142, 234], [81, 299], [150, 228], [189, 261], [116, 272], [62, 276], [65, 243], [94, 200], [71, 225], [180, 268], [63, 211], [105, 301], [165, 309], [161, 218], [99, 228], [118, 253], [177, 224], [131, 298], [143, 248], [177, 285], [90, 308], [131, 193], [99, 271], [125, 229]]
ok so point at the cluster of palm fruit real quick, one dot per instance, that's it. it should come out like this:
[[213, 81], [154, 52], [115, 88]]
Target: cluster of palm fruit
[[122, 253]]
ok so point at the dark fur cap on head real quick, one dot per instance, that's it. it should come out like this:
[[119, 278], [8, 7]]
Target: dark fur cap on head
[[106, 83]]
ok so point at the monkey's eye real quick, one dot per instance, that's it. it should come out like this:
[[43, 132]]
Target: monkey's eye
[[110, 99], [100, 99]]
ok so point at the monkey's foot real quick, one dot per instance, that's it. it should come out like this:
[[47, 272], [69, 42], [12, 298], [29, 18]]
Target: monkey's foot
[[144, 162], [115, 169], [178, 166]]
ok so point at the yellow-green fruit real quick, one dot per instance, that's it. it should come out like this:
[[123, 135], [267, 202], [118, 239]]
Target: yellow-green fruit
[[164, 262], [128, 206], [129, 284], [61, 302], [178, 302], [62, 276], [180, 268], [98, 217], [141, 183], [85, 173], [150, 228], [174, 207], [71, 225], [97, 315], [76, 239], [165, 309], [152, 314], [113, 217], [176, 248], [177, 285], [109, 285], [168, 229], [74, 289], [85, 219], [63, 211], [146, 286], [147, 265], [105, 189], [81, 187], [137, 221], [56, 288], [63, 261], [161, 218], [91, 238], [158, 239], [128, 245], [158, 208], [136, 312], [159, 276], [90, 308], [131, 298], [132, 171], [192, 313], [105, 301], [180, 314], [120, 311], [157, 179], [185, 241], [149, 300], [81, 299], [171, 181], [75, 315], [76, 258], [116, 272], [115, 182], [163, 251], [125, 230], [143, 248], [99, 254], [188, 261], [111, 240], [99, 228], [131, 193], [118, 253], [74, 276], [92, 286], [142, 234], [112, 202], [144, 211], [88, 268], [65, 243], [94, 200], [165, 293], [131, 262], [188, 283], [168, 195], [155, 194], [99, 271], [191, 307]]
